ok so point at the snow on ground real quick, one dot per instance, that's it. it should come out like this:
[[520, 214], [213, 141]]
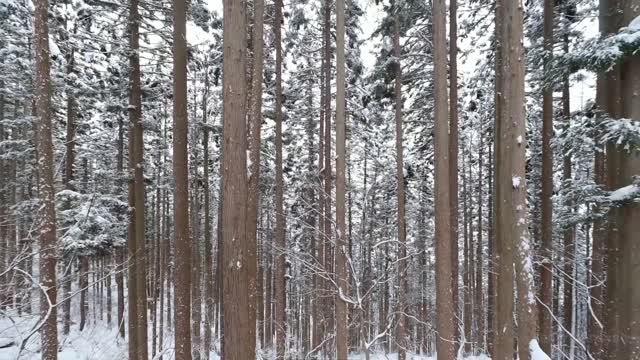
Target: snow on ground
[[101, 342], [394, 356]]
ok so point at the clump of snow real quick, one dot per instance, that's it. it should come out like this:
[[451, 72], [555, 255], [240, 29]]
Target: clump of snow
[[634, 24], [625, 193], [54, 50], [516, 181], [536, 351]]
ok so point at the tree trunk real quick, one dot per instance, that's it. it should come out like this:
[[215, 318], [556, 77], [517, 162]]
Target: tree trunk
[[120, 258], [628, 294], [545, 269], [342, 276], [479, 268], [182, 280], [254, 135], [453, 163], [511, 205], [444, 306], [235, 278], [49, 331]]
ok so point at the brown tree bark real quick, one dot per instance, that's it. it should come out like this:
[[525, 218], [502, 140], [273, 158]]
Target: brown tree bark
[[479, 260], [467, 204], [341, 255], [83, 285], [453, 163], [49, 331], [627, 261], [595, 342], [445, 308], [511, 205], [568, 234], [182, 280], [254, 135], [237, 344], [137, 256], [119, 258], [612, 95], [545, 269]]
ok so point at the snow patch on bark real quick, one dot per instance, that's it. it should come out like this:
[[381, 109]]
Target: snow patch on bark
[[536, 352], [625, 193]]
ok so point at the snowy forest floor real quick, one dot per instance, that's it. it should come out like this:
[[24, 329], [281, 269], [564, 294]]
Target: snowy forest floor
[[99, 341]]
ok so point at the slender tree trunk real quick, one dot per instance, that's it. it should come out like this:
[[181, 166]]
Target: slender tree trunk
[[254, 136], [47, 239], [120, 258], [453, 162], [342, 276], [84, 289], [545, 269], [237, 341], [479, 261], [182, 288], [444, 306], [491, 276], [595, 341], [467, 241]]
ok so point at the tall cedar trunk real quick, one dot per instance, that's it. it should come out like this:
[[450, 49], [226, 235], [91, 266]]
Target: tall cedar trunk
[[254, 134], [453, 161], [595, 341], [630, 231], [479, 298], [444, 307], [466, 277], [137, 273], [47, 239], [83, 286], [503, 345], [280, 243], [235, 277], [629, 228], [491, 276], [120, 258], [612, 108], [196, 275], [511, 206], [401, 326], [342, 276], [310, 301], [568, 235], [545, 269], [208, 241], [182, 281], [327, 174]]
